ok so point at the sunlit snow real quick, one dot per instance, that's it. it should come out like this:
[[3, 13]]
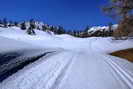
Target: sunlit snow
[[76, 63]]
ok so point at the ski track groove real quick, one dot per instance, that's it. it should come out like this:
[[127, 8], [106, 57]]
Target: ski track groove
[[126, 78], [53, 82], [50, 77], [39, 79], [62, 74]]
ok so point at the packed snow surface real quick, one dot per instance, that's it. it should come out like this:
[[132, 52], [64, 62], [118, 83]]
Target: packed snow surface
[[80, 63]]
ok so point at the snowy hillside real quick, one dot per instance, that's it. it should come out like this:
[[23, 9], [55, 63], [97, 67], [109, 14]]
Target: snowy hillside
[[73, 63], [101, 31], [32, 26], [65, 41], [101, 28]]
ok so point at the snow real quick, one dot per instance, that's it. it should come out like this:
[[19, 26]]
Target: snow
[[8, 45], [108, 45], [100, 28], [79, 64]]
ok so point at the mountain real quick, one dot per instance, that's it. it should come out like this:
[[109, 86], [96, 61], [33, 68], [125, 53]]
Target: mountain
[[101, 28], [102, 31]]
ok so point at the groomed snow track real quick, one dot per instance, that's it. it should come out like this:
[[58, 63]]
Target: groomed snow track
[[73, 70]]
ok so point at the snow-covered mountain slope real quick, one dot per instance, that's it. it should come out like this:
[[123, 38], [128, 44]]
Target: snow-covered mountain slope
[[46, 40], [101, 31], [101, 28], [83, 64]]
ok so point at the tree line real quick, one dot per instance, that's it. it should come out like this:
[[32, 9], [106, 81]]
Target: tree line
[[32, 25]]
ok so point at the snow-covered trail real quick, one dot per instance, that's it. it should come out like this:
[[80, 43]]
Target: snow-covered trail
[[45, 71], [76, 64], [73, 70]]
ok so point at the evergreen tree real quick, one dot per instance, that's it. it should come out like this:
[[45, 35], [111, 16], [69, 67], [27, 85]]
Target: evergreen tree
[[74, 33], [16, 23], [32, 24], [1, 21], [55, 30], [52, 28], [60, 30], [30, 30], [23, 26], [44, 28]]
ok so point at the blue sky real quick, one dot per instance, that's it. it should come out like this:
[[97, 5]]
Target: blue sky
[[71, 14]]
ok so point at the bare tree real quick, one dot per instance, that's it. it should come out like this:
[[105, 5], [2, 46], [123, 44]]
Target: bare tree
[[123, 10]]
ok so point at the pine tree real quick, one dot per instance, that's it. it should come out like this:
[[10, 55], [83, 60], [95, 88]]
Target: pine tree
[[52, 28], [30, 30], [55, 30], [44, 28], [74, 33], [1, 23], [32, 24], [16, 23], [23, 26], [60, 30]]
